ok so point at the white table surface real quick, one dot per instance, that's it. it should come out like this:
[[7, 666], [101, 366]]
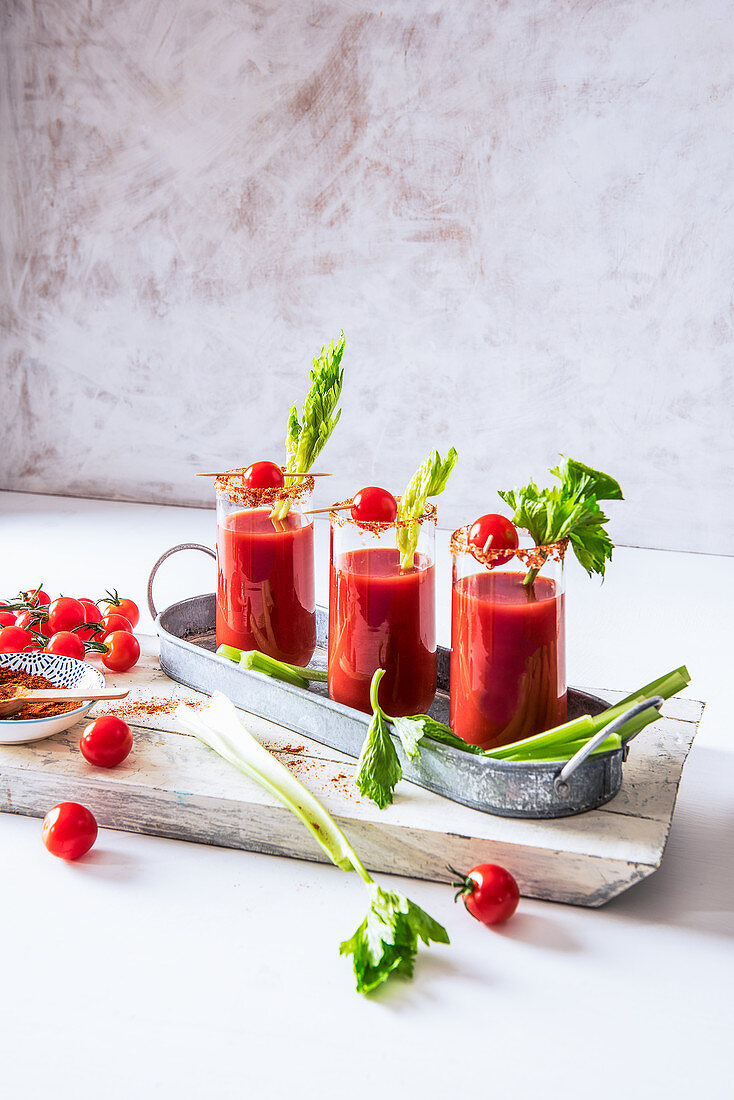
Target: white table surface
[[165, 969]]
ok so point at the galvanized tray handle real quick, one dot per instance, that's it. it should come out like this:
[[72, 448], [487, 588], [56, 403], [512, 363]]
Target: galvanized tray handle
[[162, 558], [561, 783]]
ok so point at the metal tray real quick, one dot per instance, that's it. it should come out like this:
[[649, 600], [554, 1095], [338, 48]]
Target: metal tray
[[525, 790]]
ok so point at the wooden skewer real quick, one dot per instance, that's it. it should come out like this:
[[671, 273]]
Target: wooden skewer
[[288, 473], [334, 508]]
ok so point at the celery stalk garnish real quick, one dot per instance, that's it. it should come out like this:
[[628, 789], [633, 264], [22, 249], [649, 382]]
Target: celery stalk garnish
[[569, 510], [380, 769], [428, 481], [306, 440], [256, 661], [387, 940]]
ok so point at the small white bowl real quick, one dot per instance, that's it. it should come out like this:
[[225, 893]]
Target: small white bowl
[[63, 672]]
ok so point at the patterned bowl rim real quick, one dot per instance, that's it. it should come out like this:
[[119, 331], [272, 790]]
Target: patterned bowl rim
[[51, 659]]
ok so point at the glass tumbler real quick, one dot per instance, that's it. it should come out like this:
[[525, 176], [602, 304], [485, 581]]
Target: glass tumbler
[[265, 569], [508, 642], [382, 616]]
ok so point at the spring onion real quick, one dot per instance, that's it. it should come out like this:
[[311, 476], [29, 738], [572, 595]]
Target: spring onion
[[386, 942]]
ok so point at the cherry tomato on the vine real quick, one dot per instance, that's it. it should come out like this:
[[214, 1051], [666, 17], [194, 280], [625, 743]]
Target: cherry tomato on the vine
[[491, 533], [489, 892], [263, 475], [7, 618], [92, 616], [13, 639], [114, 622], [374, 505], [36, 596], [32, 620], [64, 614], [120, 605], [106, 742], [66, 644], [69, 830], [123, 651]]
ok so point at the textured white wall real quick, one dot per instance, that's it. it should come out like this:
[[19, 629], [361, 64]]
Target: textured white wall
[[520, 214]]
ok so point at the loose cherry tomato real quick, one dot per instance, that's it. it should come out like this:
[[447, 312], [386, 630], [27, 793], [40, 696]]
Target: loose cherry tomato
[[489, 892], [123, 651], [69, 830], [263, 475], [92, 617], [116, 605], [64, 614], [66, 644], [13, 639], [7, 618], [374, 505], [106, 742], [114, 622], [494, 532]]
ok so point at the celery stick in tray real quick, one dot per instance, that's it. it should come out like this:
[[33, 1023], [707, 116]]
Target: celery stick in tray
[[305, 440], [386, 941]]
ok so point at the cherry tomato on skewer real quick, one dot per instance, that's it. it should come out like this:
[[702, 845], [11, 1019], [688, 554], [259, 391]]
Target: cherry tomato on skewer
[[489, 892], [374, 505], [263, 475], [491, 533], [69, 830]]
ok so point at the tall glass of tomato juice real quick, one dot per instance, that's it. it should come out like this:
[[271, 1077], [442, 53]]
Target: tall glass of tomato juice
[[382, 616], [265, 570], [508, 642]]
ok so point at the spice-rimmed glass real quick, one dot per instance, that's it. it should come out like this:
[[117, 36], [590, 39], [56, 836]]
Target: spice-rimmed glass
[[265, 570], [508, 642], [381, 616]]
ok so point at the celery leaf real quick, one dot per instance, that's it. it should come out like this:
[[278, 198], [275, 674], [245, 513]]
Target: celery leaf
[[379, 766], [386, 941]]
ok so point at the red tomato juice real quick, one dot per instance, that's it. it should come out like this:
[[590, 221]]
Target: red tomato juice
[[508, 658], [382, 618], [265, 589]]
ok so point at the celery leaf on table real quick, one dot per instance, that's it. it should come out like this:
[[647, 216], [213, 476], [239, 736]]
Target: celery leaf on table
[[428, 481], [387, 940]]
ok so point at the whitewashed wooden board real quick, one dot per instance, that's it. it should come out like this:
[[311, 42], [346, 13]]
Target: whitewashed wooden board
[[173, 786]]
